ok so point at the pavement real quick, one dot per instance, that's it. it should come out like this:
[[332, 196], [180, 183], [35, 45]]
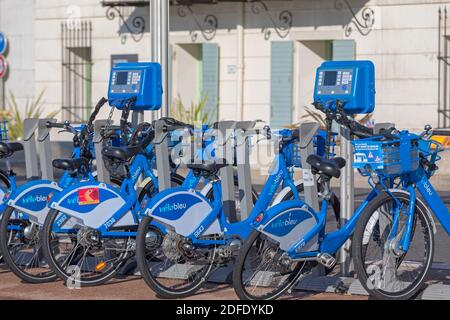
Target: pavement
[[134, 288], [128, 288]]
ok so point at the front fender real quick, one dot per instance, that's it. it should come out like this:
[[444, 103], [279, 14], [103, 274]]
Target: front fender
[[94, 204], [289, 222], [33, 197]]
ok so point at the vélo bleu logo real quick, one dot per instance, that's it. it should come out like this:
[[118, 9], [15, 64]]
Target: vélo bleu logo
[[34, 199], [172, 207], [284, 223]]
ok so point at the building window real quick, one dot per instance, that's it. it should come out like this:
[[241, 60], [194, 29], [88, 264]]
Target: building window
[[281, 83], [76, 71]]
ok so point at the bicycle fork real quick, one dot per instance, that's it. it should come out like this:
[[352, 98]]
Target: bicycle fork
[[399, 242]]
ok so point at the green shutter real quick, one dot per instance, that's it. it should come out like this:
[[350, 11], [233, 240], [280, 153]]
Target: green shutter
[[210, 79], [281, 86], [344, 50]]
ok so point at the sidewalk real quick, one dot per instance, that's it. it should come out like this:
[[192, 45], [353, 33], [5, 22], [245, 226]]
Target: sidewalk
[[129, 288]]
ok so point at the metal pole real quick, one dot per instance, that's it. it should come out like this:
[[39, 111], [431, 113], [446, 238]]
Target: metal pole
[[445, 69], [439, 68], [2, 94], [159, 17], [347, 197], [165, 29]]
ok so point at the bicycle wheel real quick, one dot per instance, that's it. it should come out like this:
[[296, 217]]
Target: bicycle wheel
[[172, 267], [6, 185], [22, 248], [384, 271], [82, 256], [261, 273], [79, 255]]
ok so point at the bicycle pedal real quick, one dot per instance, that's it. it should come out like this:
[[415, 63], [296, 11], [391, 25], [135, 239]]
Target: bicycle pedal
[[327, 260]]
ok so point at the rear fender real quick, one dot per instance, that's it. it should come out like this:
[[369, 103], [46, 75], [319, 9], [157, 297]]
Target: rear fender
[[94, 204]]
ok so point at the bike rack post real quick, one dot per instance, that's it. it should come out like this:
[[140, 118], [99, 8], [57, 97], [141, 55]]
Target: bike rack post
[[162, 155], [243, 167], [225, 151], [307, 132], [346, 196], [29, 146], [30, 149], [45, 149], [102, 174]]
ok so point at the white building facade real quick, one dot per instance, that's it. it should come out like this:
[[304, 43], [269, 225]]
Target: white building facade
[[252, 59]]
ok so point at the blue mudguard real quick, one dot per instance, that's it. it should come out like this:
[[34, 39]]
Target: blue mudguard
[[182, 210], [94, 204], [289, 222], [32, 199]]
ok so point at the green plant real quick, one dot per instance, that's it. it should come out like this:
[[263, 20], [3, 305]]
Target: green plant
[[194, 114], [16, 115]]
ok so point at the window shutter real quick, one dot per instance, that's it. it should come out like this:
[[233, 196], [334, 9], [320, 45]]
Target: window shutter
[[281, 85], [210, 79], [344, 50]]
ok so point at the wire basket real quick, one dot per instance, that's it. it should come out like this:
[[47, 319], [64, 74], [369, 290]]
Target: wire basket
[[388, 157], [3, 131], [319, 140]]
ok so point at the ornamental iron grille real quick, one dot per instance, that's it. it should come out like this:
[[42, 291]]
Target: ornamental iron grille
[[443, 70], [76, 40]]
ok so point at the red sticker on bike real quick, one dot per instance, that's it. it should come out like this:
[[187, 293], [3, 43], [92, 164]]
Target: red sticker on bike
[[88, 196]]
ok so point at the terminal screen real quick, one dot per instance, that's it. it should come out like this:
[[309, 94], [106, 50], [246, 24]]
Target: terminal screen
[[122, 78], [330, 78]]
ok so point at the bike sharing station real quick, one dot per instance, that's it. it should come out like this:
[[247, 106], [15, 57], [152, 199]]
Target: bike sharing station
[[139, 85], [342, 90]]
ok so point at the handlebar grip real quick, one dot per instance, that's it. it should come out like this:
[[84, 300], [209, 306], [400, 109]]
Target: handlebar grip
[[55, 125], [385, 133], [361, 134], [97, 108], [441, 132]]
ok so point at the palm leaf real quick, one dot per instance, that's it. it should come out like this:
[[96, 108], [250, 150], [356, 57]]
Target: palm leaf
[[32, 109]]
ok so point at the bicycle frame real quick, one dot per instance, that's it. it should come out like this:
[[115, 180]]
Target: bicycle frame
[[279, 174], [31, 199], [331, 242], [101, 218], [6, 192]]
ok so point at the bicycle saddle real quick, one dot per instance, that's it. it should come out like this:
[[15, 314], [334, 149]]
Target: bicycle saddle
[[121, 153], [330, 167], [210, 167], [70, 164], [8, 149]]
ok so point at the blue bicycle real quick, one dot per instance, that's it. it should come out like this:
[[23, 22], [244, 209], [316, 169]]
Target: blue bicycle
[[393, 244], [91, 227], [25, 208], [8, 177], [199, 235], [291, 233]]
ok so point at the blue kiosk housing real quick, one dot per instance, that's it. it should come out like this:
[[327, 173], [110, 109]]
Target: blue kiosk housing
[[139, 80], [350, 82]]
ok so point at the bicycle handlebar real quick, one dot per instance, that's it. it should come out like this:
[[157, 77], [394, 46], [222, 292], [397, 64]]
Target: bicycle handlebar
[[55, 125], [94, 114], [441, 132]]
